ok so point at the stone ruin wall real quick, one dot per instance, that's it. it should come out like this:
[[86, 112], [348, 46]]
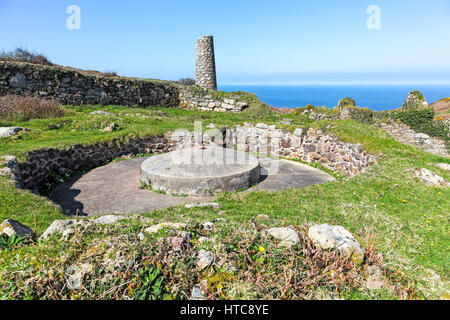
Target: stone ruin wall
[[203, 101], [310, 146], [205, 69], [75, 88], [51, 165]]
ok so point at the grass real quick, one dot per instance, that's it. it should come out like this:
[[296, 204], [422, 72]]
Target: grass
[[405, 220], [78, 126]]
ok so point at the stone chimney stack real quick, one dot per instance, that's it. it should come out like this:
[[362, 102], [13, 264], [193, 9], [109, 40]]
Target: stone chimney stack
[[205, 71]]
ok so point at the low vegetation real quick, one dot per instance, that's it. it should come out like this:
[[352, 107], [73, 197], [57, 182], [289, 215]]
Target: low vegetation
[[402, 223], [18, 109], [23, 55], [422, 120]]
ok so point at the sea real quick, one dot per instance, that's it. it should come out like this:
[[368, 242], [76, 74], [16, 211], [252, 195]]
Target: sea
[[375, 97]]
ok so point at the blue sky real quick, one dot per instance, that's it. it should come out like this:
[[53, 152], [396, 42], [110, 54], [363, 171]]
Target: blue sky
[[257, 41]]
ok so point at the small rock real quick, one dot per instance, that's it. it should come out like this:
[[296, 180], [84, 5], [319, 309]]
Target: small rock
[[68, 233], [102, 112], [203, 239], [431, 179], [6, 172], [422, 136], [75, 274], [197, 293], [336, 237], [287, 235], [262, 217], [185, 235], [109, 219], [112, 127], [298, 132], [208, 226], [141, 236], [58, 226], [6, 132], [202, 205], [211, 126], [10, 227], [157, 227], [241, 105], [205, 259]]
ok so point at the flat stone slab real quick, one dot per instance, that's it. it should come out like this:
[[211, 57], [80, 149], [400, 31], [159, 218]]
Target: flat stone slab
[[114, 188], [286, 174], [201, 171]]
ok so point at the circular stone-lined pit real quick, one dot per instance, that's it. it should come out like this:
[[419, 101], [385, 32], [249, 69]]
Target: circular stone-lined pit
[[201, 171]]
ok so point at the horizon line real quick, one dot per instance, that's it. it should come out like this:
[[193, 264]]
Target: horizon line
[[334, 83]]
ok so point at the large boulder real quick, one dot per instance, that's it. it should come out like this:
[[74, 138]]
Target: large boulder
[[415, 100], [11, 227], [337, 238], [431, 179], [6, 132]]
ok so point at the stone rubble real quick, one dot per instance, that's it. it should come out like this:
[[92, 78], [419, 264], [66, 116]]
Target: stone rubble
[[203, 101], [404, 134]]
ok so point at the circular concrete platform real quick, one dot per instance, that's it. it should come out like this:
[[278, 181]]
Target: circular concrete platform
[[201, 171], [114, 188]]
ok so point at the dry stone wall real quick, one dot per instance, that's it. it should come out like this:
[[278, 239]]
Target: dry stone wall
[[204, 101], [75, 88], [45, 167], [404, 134], [310, 146]]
